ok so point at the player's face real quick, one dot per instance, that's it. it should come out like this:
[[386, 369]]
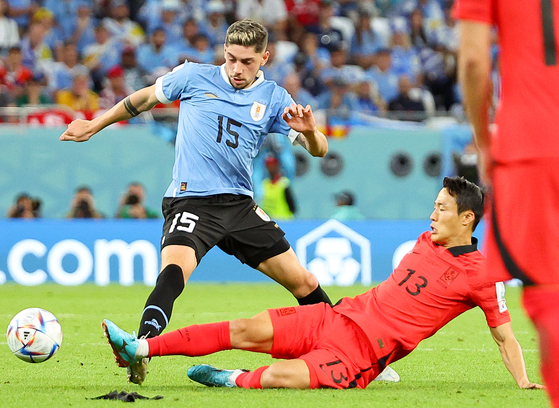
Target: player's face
[[446, 225], [242, 64]]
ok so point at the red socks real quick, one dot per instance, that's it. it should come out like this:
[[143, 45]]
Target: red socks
[[195, 340], [200, 340], [251, 379]]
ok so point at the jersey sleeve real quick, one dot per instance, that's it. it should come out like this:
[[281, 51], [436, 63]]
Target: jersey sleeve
[[477, 10], [173, 85], [279, 125], [491, 299]]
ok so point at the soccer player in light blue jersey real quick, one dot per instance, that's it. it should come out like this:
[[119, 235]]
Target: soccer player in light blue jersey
[[225, 114]]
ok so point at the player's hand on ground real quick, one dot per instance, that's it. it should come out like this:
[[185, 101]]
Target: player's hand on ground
[[78, 131], [532, 386], [299, 118]]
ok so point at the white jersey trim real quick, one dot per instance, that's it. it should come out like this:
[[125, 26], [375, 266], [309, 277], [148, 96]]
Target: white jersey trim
[[292, 136], [159, 91]]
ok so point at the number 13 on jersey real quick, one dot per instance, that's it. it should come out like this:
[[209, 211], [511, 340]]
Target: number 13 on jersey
[[414, 285]]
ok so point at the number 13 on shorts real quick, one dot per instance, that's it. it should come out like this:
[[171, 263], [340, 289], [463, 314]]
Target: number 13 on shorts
[[338, 372]]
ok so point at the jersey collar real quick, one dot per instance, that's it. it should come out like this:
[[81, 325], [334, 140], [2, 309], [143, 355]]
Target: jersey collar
[[464, 249], [259, 79]]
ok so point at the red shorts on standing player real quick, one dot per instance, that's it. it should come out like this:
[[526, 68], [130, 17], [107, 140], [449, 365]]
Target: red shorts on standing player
[[517, 187]]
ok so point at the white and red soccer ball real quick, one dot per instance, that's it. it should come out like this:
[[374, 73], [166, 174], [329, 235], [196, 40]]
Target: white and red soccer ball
[[34, 335]]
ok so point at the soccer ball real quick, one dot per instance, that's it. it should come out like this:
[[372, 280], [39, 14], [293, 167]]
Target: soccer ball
[[34, 335]]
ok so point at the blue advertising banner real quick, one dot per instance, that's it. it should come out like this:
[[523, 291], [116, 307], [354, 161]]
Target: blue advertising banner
[[73, 252]]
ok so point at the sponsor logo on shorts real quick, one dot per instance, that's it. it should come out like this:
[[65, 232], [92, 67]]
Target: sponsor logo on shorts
[[286, 311], [447, 277], [260, 212]]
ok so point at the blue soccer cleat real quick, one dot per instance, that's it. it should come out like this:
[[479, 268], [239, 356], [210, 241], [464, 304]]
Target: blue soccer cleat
[[124, 344], [213, 377]]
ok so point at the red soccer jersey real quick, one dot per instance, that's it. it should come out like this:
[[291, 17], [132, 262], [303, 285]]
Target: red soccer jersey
[[304, 11], [430, 287], [529, 107]]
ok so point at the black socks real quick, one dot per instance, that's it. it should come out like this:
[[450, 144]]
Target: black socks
[[316, 296], [159, 305], [170, 285]]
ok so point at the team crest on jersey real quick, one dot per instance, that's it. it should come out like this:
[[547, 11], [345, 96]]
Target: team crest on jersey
[[447, 277], [257, 111]]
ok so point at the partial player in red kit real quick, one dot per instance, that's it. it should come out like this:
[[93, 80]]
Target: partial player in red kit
[[348, 345], [520, 161]]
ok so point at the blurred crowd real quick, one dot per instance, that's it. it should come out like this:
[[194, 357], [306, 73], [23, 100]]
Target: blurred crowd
[[82, 205], [347, 57]]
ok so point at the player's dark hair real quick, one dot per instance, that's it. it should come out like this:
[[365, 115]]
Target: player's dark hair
[[468, 196], [247, 33]]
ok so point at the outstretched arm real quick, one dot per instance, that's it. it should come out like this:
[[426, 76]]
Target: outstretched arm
[[82, 130], [302, 120], [512, 354]]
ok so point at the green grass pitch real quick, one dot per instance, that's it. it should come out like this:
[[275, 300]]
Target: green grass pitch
[[458, 367]]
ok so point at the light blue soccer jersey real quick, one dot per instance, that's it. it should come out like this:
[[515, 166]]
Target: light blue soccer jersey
[[220, 128]]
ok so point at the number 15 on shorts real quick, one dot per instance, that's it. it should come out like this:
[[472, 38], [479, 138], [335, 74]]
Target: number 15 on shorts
[[186, 221]]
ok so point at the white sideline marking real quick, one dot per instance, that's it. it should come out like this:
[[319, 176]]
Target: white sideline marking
[[470, 350]]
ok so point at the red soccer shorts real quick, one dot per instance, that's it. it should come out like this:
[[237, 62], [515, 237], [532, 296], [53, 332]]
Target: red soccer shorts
[[334, 348], [524, 242], [542, 305]]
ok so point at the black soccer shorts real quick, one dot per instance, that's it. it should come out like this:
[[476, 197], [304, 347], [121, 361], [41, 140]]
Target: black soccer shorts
[[234, 223]]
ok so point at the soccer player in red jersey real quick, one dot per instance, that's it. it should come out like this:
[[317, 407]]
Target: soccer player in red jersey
[[348, 345], [520, 160]]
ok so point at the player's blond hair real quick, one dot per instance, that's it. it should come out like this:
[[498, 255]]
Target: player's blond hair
[[247, 33]]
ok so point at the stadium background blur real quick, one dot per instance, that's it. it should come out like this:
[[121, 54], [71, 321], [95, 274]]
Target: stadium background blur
[[380, 76]]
